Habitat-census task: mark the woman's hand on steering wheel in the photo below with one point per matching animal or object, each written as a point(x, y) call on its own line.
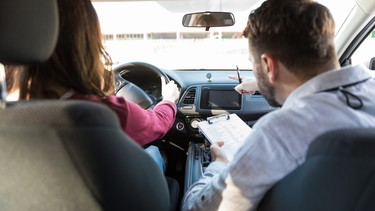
point(169, 90)
point(130, 91)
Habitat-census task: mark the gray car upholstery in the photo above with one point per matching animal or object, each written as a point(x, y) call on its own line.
point(28, 30)
point(73, 155)
point(339, 174)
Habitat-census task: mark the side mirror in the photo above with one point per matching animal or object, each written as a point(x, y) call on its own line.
point(208, 19)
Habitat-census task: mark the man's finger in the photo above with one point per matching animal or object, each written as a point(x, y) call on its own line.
point(233, 77)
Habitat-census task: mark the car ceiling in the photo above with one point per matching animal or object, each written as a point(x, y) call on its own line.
point(201, 5)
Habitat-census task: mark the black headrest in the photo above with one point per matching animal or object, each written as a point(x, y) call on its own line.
point(350, 142)
point(372, 64)
point(28, 30)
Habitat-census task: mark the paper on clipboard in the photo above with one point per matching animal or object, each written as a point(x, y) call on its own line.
point(228, 128)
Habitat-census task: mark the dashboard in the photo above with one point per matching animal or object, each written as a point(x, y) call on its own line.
point(206, 93)
point(203, 93)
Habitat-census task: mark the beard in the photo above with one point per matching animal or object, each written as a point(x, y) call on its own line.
point(266, 89)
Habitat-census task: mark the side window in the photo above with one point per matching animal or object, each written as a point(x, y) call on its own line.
point(365, 52)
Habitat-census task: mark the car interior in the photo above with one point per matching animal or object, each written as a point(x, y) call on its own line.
point(73, 155)
point(58, 155)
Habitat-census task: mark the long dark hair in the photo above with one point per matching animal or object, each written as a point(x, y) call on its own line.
point(79, 61)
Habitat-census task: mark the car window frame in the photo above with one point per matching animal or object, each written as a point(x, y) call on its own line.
point(345, 58)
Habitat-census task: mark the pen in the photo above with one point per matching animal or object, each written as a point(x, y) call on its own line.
point(238, 74)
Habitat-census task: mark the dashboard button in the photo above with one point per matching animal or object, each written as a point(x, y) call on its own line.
point(180, 126)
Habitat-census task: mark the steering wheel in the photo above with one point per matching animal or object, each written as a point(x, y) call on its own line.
point(131, 91)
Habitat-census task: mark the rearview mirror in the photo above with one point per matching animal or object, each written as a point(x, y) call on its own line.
point(208, 19)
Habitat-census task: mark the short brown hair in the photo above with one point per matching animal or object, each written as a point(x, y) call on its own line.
point(300, 33)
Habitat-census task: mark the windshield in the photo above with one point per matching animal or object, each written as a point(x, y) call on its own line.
point(152, 31)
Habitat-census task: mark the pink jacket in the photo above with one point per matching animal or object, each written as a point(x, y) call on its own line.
point(144, 126)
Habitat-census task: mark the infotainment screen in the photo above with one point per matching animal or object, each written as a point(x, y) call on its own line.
point(220, 99)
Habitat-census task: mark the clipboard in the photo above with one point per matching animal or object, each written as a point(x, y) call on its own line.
point(228, 128)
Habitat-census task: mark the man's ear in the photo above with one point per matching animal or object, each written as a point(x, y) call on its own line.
point(270, 66)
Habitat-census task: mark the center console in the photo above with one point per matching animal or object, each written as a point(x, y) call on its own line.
point(199, 157)
point(201, 101)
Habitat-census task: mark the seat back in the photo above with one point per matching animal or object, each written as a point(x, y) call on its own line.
point(339, 174)
point(73, 155)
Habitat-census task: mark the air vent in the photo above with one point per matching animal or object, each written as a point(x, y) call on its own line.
point(190, 97)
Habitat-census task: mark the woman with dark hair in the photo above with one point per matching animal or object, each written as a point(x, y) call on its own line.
point(79, 69)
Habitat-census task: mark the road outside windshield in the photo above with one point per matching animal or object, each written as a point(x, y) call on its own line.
point(152, 32)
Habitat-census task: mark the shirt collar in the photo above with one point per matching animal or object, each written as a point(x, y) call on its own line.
point(329, 80)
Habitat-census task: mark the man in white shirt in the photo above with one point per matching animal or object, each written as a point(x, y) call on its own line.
point(291, 46)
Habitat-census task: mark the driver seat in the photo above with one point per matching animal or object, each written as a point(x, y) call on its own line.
point(65, 155)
